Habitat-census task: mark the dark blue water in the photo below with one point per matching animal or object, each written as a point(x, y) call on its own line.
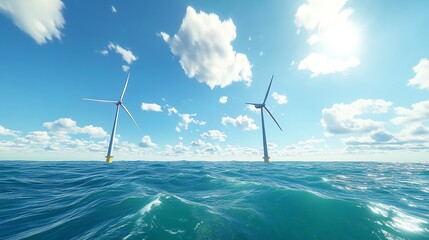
point(213, 200)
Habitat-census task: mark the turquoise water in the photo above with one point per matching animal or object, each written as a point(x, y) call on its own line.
point(213, 200)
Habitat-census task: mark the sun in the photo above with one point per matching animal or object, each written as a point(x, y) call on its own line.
point(342, 39)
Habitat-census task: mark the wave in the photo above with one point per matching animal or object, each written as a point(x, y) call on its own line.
point(212, 201)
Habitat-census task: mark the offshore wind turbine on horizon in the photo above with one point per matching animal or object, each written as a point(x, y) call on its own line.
point(262, 107)
point(119, 104)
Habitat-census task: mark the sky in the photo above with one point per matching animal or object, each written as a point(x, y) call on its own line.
point(351, 79)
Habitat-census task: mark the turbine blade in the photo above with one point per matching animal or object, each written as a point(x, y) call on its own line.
point(254, 104)
point(129, 114)
point(273, 118)
point(268, 90)
point(99, 100)
point(125, 87)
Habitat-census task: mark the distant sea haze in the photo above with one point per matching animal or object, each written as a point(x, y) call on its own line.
point(213, 200)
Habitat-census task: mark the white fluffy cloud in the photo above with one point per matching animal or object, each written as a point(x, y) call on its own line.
point(175, 150)
point(41, 19)
point(172, 110)
point(418, 112)
point(64, 126)
point(203, 45)
point(125, 68)
point(341, 118)
point(7, 132)
point(372, 138)
point(309, 146)
point(319, 63)
point(223, 99)
point(38, 136)
point(414, 137)
point(146, 142)
point(151, 107)
point(187, 119)
point(215, 135)
point(280, 99)
point(198, 143)
point(421, 80)
point(243, 122)
point(329, 27)
point(127, 55)
point(415, 130)
point(252, 108)
point(321, 14)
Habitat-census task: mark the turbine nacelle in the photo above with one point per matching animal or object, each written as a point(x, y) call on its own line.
point(257, 105)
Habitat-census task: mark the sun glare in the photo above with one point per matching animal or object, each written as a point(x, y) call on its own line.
point(342, 39)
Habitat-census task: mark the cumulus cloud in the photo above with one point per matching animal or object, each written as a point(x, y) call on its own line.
point(320, 14)
point(312, 145)
point(223, 99)
point(38, 136)
point(280, 99)
point(319, 63)
point(177, 149)
point(114, 9)
point(7, 132)
point(215, 135)
point(411, 138)
point(127, 55)
point(328, 25)
point(252, 108)
point(203, 45)
point(415, 130)
point(151, 107)
point(64, 126)
point(187, 119)
point(418, 112)
point(146, 142)
point(421, 80)
point(125, 68)
point(198, 143)
point(172, 110)
point(373, 138)
point(341, 118)
point(104, 52)
point(41, 19)
point(243, 122)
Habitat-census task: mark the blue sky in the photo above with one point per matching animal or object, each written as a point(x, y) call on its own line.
point(351, 79)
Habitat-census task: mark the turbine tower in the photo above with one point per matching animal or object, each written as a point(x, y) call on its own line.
point(262, 107)
point(119, 104)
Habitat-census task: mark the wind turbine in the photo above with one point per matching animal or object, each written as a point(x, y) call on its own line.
point(119, 103)
point(262, 107)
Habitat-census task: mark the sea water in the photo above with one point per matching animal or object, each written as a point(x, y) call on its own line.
point(213, 200)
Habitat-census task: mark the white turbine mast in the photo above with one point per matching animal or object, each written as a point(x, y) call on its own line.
point(262, 107)
point(119, 104)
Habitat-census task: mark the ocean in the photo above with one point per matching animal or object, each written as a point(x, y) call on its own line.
point(213, 200)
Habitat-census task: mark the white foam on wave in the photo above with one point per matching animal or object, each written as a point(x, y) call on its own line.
point(196, 226)
point(398, 220)
point(174, 232)
point(149, 206)
point(342, 177)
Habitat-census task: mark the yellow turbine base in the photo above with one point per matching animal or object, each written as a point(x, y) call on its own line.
point(109, 159)
point(266, 159)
